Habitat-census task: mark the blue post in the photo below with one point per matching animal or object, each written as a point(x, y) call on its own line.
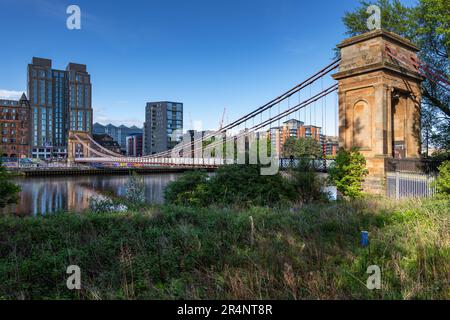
point(364, 239)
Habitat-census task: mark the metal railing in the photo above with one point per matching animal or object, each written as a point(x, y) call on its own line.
point(411, 178)
point(401, 185)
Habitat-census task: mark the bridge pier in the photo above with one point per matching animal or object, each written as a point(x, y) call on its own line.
point(379, 101)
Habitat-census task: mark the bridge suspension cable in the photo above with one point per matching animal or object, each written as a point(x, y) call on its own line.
point(260, 123)
point(308, 82)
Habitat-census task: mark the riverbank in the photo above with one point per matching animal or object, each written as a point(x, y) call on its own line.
point(180, 253)
point(68, 171)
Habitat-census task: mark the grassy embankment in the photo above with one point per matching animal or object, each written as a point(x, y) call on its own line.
point(175, 252)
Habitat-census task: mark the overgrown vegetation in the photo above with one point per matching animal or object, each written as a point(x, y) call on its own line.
point(443, 180)
point(182, 253)
point(9, 192)
point(308, 186)
point(231, 186)
point(348, 173)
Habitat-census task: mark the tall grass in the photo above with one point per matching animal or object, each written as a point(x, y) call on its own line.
point(174, 252)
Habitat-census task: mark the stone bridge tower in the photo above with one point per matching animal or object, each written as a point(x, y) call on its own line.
point(75, 149)
point(379, 101)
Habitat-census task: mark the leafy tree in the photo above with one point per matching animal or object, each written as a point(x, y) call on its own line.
point(307, 183)
point(302, 147)
point(443, 180)
point(9, 192)
point(428, 25)
point(348, 173)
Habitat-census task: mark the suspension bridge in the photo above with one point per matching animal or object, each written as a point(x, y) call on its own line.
point(369, 97)
point(307, 99)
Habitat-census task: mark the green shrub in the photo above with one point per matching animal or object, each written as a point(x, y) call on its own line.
point(9, 192)
point(307, 183)
point(443, 180)
point(348, 173)
point(190, 189)
point(232, 185)
point(245, 186)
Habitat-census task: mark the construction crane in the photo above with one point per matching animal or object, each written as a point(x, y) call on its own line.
point(223, 118)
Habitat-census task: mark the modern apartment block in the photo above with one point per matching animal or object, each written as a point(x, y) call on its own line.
point(332, 146)
point(14, 126)
point(135, 145)
point(297, 129)
point(118, 133)
point(61, 100)
point(163, 120)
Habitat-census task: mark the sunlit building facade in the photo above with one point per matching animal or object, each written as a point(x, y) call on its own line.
point(61, 100)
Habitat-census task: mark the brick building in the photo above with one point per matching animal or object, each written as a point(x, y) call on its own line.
point(14, 128)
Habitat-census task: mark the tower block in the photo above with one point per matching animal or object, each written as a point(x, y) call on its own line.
point(379, 101)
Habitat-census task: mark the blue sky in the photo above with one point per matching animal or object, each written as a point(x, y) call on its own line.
point(208, 54)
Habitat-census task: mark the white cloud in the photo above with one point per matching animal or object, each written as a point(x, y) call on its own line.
point(10, 95)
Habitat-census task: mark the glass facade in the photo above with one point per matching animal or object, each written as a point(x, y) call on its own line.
point(163, 119)
point(61, 101)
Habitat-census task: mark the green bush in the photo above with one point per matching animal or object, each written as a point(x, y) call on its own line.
point(9, 192)
point(188, 190)
point(245, 186)
point(348, 173)
point(232, 185)
point(443, 180)
point(307, 183)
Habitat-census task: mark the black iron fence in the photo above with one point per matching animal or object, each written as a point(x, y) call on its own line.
point(319, 165)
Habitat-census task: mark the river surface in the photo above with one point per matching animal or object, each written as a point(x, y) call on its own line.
point(44, 195)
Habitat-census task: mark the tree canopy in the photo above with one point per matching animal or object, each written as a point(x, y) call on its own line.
point(301, 148)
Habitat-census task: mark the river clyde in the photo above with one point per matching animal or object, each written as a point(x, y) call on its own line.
point(46, 195)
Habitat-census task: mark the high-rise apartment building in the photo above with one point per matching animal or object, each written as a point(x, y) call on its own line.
point(163, 126)
point(14, 128)
point(61, 100)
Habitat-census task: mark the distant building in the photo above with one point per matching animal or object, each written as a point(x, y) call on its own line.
point(107, 142)
point(60, 101)
point(14, 126)
point(332, 146)
point(162, 120)
point(135, 145)
point(296, 129)
point(118, 133)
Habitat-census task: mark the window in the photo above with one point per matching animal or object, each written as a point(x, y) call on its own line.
point(35, 91)
point(42, 91)
point(80, 96)
point(87, 97)
point(49, 97)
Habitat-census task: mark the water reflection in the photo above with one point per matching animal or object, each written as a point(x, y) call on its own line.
point(52, 194)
